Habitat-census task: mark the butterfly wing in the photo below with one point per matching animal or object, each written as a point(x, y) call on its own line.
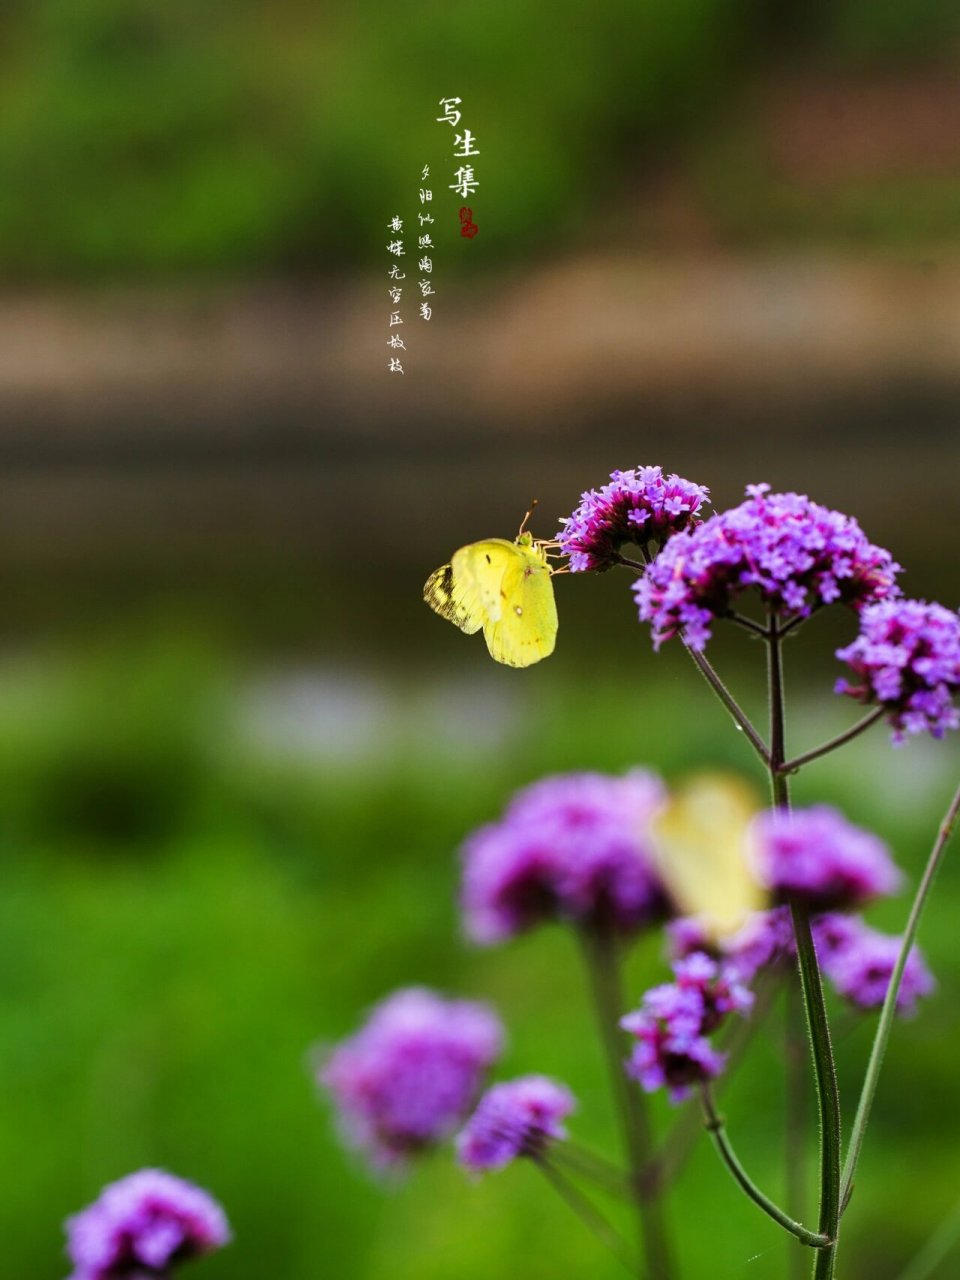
point(445, 596)
point(704, 856)
point(525, 627)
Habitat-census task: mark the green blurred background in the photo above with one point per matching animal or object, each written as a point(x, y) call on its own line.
point(237, 754)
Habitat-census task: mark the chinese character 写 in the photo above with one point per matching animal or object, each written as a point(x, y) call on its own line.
point(450, 114)
point(466, 184)
point(425, 242)
point(395, 274)
point(395, 366)
point(394, 319)
point(425, 195)
point(425, 288)
point(425, 311)
point(394, 294)
point(467, 139)
point(395, 223)
point(426, 172)
point(396, 341)
point(424, 217)
point(426, 264)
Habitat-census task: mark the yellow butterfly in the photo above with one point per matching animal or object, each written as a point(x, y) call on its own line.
point(504, 587)
point(703, 853)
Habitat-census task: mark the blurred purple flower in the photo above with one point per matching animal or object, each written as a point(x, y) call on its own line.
point(412, 1072)
point(144, 1225)
point(859, 961)
point(765, 939)
point(819, 858)
point(518, 1118)
point(906, 659)
point(795, 553)
point(639, 506)
point(575, 847)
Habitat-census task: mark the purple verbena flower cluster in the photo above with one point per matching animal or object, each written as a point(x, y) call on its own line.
point(144, 1225)
point(906, 659)
point(797, 554)
point(674, 1022)
point(641, 506)
point(817, 857)
point(410, 1075)
point(574, 847)
point(517, 1118)
point(859, 961)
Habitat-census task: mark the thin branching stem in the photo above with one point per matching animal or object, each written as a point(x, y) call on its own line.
point(791, 766)
point(885, 1024)
point(717, 1130)
point(589, 1215)
point(728, 700)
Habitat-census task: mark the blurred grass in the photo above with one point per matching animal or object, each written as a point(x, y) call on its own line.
point(146, 138)
point(186, 908)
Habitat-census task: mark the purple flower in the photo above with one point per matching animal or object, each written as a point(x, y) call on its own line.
point(575, 847)
point(859, 961)
point(816, 856)
point(765, 939)
point(640, 506)
point(518, 1118)
point(412, 1072)
point(674, 1021)
point(795, 553)
point(144, 1225)
point(906, 659)
point(671, 1051)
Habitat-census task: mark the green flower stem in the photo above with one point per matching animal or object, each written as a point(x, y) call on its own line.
point(588, 1164)
point(728, 700)
point(589, 1215)
point(791, 766)
point(715, 1126)
point(885, 1024)
point(601, 954)
point(665, 1166)
point(828, 1096)
point(797, 1111)
point(936, 1248)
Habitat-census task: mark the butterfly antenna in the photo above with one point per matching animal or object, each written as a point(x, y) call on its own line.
point(534, 503)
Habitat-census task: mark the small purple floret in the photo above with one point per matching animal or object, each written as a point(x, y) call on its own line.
point(574, 847)
point(859, 961)
point(674, 1022)
point(409, 1076)
point(144, 1225)
point(641, 506)
point(906, 659)
point(795, 553)
point(518, 1118)
point(819, 858)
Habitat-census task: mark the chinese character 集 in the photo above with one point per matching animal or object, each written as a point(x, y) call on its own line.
point(450, 114)
point(466, 184)
point(396, 247)
point(467, 139)
point(395, 294)
point(395, 223)
point(425, 242)
point(395, 273)
point(425, 311)
point(395, 318)
point(426, 264)
point(425, 288)
point(396, 341)
point(395, 366)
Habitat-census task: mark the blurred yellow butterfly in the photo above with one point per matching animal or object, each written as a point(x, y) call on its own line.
point(504, 587)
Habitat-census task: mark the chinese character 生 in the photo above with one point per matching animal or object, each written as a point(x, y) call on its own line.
point(467, 140)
